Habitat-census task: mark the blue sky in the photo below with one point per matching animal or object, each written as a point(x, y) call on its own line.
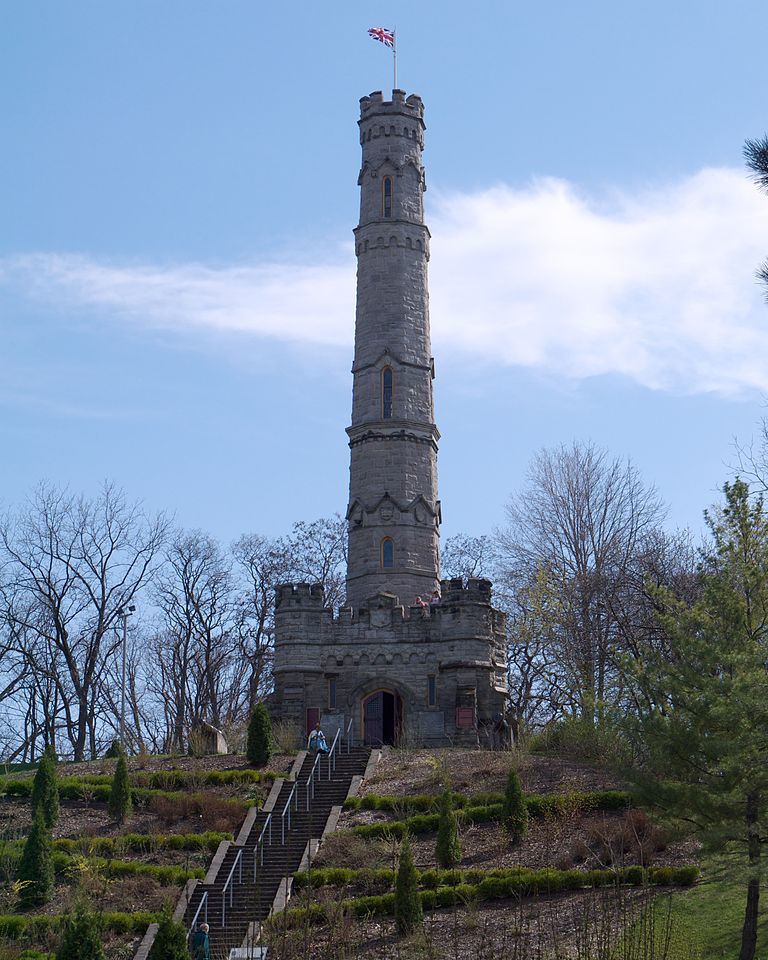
point(177, 193)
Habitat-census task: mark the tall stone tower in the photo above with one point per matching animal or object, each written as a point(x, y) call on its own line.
point(394, 513)
point(386, 665)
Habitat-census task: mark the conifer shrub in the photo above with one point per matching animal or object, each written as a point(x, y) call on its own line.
point(114, 750)
point(45, 791)
point(36, 865)
point(448, 845)
point(259, 745)
point(514, 817)
point(170, 940)
point(408, 912)
point(120, 802)
point(81, 936)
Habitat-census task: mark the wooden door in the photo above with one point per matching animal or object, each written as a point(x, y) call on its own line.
point(313, 718)
point(373, 720)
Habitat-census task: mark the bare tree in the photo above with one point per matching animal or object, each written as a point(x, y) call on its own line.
point(318, 554)
point(464, 556)
point(581, 522)
point(69, 564)
point(200, 675)
point(262, 563)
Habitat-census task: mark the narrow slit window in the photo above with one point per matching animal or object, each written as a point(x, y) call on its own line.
point(387, 553)
point(431, 691)
point(386, 393)
point(387, 196)
point(332, 693)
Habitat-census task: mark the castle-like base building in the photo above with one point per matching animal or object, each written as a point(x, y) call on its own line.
point(410, 658)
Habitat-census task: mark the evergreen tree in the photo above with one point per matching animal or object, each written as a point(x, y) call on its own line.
point(514, 817)
point(756, 156)
point(36, 865)
point(259, 747)
point(448, 846)
point(702, 722)
point(408, 912)
point(45, 789)
point(171, 940)
point(119, 804)
point(114, 750)
point(81, 937)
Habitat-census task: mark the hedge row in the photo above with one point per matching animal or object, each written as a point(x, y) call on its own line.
point(142, 843)
point(14, 926)
point(143, 784)
point(500, 885)
point(538, 804)
point(165, 876)
point(433, 879)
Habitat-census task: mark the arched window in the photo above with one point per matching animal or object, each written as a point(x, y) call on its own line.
point(386, 189)
point(387, 553)
point(386, 392)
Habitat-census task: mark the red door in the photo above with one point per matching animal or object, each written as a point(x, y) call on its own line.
point(313, 718)
point(373, 720)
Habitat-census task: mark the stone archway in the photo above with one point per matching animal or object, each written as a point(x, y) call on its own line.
point(382, 717)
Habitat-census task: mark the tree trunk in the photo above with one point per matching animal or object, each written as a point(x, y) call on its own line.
point(749, 930)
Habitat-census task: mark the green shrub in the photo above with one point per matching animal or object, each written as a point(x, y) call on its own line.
point(407, 903)
point(44, 792)
point(170, 941)
point(514, 816)
point(448, 845)
point(36, 865)
point(81, 936)
point(120, 803)
point(114, 751)
point(259, 744)
point(12, 927)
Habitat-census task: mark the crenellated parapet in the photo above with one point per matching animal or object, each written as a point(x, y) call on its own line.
point(299, 596)
point(475, 590)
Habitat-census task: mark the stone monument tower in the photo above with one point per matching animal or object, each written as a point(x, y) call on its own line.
point(394, 513)
point(394, 667)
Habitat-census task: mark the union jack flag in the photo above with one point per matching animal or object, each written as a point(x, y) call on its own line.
point(387, 37)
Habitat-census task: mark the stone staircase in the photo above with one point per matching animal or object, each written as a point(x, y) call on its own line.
point(250, 874)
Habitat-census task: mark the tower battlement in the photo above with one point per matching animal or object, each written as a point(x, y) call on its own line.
point(300, 595)
point(476, 590)
point(375, 104)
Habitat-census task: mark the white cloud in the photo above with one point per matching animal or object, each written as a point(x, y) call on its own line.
point(657, 286)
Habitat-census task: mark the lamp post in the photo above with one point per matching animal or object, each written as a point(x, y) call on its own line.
point(124, 613)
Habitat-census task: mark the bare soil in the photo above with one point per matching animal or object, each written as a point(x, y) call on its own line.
point(402, 772)
point(559, 926)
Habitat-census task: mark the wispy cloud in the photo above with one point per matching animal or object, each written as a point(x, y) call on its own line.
point(656, 286)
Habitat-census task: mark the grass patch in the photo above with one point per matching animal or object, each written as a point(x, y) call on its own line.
point(711, 915)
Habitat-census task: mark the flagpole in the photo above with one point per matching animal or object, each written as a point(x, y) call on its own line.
point(394, 55)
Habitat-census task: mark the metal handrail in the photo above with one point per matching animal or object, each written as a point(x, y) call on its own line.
point(203, 903)
point(230, 885)
point(348, 734)
point(311, 779)
point(258, 850)
point(332, 753)
point(287, 809)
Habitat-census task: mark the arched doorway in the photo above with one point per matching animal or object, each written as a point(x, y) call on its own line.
point(382, 718)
